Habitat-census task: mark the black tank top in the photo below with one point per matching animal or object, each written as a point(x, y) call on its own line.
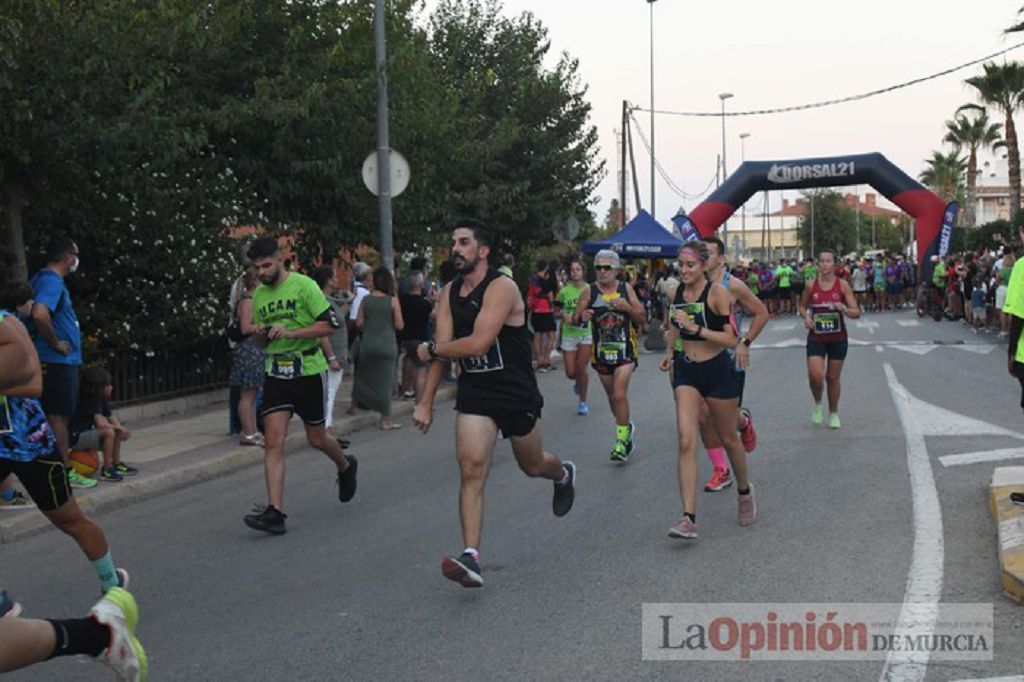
point(700, 311)
point(502, 380)
point(615, 337)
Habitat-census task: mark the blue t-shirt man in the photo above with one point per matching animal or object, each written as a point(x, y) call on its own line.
point(51, 291)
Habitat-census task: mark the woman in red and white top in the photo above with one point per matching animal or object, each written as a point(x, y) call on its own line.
point(826, 302)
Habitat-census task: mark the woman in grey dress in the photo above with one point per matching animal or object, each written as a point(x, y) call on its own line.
point(380, 316)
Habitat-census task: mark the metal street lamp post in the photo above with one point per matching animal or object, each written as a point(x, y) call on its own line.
point(724, 96)
point(383, 144)
point(743, 157)
point(651, 3)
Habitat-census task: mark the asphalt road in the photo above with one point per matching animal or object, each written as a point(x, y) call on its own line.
point(355, 592)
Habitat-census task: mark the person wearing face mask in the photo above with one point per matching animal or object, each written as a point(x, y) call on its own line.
point(58, 342)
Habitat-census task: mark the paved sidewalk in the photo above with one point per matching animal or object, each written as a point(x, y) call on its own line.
point(177, 451)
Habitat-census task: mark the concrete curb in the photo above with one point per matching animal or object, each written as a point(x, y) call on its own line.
point(16, 525)
point(1010, 523)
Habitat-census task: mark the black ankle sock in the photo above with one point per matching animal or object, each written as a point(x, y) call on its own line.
point(743, 492)
point(692, 517)
point(79, 636)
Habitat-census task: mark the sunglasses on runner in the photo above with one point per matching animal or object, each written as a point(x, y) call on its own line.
point(604, 267)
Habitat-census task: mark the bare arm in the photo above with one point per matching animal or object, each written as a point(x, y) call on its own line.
point(44, 325)
point(499, 300)
point(636, 309)
point(582, 306)
point(244, 313)
point(20, 374)
point(752, 304)
point(396, 314)
point(423, 414)
point(852, 308)
point(361, 315)
point(805, 300)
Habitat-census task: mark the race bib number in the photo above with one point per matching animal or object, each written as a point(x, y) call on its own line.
point(826, 323)
point(612, 352)
point(6, 425)
point(491, 362)
point(285, 366)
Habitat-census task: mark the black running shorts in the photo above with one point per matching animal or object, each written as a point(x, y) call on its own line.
point(45, 479)
point(511, 424)
point(714, 378)
point(304, 396)
point(542, 322)
point(833, 350)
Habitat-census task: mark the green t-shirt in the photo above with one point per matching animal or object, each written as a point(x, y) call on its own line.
point(810, 272)
point(295, 303)
point(1015, 301)
point(783, 273)
point(567, 299)
point(939, 274)
point(754, 283)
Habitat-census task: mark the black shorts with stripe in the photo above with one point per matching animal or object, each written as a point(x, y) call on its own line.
point(304, 396)
point(45, 479)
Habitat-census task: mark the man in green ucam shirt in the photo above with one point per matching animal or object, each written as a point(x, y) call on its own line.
point(783, 275)
point(291, 314)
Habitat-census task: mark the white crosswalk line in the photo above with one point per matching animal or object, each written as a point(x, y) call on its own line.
point(981, 456)
point(916, 350)
point(909, 323)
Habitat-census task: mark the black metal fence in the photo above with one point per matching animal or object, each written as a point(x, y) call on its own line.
point(150, 375)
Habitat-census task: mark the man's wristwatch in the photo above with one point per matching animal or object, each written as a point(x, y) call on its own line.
point(430, 348)
point(745, 341)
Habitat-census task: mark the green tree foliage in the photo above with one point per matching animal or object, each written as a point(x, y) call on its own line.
point(972, 131)
point(148, 130)
point(834, 223)
point(1002, 86)
point(944, 174)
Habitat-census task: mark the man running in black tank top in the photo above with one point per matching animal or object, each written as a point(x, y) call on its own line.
point(481, 322)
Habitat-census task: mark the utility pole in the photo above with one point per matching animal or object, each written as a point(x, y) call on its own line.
point(383, 144)
point(651, 3)
point(622, 179)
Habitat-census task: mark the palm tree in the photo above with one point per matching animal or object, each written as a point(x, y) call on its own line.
point(1019, 26)
point(1003, 86)
point(974, 133)
point(944, 174)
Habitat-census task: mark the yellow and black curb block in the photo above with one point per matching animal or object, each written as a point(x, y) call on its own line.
point(1009, 519)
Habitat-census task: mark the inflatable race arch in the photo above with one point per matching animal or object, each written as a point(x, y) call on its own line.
point(924, 206)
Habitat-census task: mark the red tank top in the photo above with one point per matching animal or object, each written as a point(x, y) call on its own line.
point(829, 324)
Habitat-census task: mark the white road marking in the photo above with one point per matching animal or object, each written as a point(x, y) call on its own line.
point(916, 350)
point(981, 456)
point(870, 325)
point(1009, 678)
point(788, 343)
point(909, 323)
point(924, 579)
point(879, 349)
point(978, 348)
point(785, 326)
point(858, 342)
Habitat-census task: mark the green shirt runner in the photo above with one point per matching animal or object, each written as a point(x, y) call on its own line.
point(783, 273)
point(1015, 301)
point(295, 303)
point(567, 299)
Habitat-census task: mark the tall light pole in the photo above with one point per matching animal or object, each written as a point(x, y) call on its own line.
point(743, 157)
point(724, 96)
point(651, 3)
point(383, 144)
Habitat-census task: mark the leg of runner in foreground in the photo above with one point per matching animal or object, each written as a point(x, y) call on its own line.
point(291, 314)
point(703, 371)
point(106, 635)
point(28, 448)
point(481, 321)
point(613, 311)
point(825, 304)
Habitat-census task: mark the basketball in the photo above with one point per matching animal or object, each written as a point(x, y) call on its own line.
point(85, 462)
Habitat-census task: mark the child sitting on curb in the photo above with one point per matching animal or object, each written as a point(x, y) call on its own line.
point(94, 427)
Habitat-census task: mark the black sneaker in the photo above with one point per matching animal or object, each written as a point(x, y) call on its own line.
point(347, 480)
point(110, 474)
point(125, 469)
point(465, 570)
point(268, 519)
point(1017, 498)
point(565, 493)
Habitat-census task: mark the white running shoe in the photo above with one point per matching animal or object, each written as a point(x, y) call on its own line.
point(125, 655)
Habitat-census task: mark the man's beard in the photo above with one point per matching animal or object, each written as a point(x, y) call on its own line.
point(271, 278)
point(467, 265)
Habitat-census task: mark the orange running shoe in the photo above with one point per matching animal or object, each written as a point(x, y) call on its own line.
point(748, 434)
point(720, 480)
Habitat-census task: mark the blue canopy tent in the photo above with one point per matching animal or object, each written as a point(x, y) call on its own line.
point(643, 237)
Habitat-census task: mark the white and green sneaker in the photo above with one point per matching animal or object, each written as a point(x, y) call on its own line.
point(833, 421)
point(78, 481)
point(816, 415)
point(125, 655)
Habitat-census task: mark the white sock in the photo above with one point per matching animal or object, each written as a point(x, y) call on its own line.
point(473, 552)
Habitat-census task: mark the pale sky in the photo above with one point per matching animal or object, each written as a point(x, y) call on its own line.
point(772, 54)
